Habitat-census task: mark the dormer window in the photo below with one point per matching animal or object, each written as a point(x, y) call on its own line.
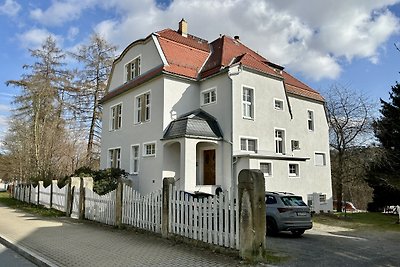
point(132, 69)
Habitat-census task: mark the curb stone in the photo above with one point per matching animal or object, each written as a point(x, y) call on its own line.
point(27, 254)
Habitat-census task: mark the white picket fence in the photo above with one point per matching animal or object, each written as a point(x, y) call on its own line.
point(142, 211)
point(213, 220)
point(60, 198)
point(100, 208)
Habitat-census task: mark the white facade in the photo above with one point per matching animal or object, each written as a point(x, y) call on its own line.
point(271, 108)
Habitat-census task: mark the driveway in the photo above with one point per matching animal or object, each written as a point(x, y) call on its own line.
point(335, 246)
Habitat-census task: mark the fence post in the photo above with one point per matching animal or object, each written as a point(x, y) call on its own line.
point(252, 221)
point(118, 204)
point(81, 200)
point(51, 192)
point(69, 196)
point(40, 184)
point(165, 206)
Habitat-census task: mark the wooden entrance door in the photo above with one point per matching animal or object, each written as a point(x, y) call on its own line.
point(209, 167)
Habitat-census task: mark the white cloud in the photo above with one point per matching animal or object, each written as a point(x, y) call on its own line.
point(35, 37)
point(72, 33)
point(308, 36)
point(60, 12)
point(10, 8)
point(4, 108)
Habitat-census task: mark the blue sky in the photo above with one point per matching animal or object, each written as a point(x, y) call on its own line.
point(320, 42)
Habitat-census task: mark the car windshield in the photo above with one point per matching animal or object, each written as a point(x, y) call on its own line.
point(293, 201)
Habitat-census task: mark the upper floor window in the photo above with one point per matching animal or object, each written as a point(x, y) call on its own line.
point(114, 158)
point(209, 97)
point(278, 104)
point(266, 168)
point(248, 103)
point(320, 159)
point(142, 108)
point(247, 144)
point(132, 69)
point(116, 117)
point(135, 159)
point(310, 120)
point(279, 141)
point(149, 149)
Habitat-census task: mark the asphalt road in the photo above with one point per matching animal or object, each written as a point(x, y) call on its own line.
point(329, 246)
point(9, 258)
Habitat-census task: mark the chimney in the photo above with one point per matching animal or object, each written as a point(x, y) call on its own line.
point(183, 28)
point(237, 38)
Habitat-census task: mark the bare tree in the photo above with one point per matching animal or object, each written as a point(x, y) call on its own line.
point(38, 130)
point(97, 58)
point(350, 119)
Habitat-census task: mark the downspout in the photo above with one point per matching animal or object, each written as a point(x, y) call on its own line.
point(233, 162)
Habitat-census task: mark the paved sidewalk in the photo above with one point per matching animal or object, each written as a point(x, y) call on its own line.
point(65, 242)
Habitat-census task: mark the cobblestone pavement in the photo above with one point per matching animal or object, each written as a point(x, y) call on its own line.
point(72, 243)
point(334, 246)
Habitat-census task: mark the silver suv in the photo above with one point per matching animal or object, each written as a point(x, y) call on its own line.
point(286, 212)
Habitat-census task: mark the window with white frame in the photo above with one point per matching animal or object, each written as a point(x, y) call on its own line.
point(135, 159)
point(247, 144)
point(248, 103)
point(114, 158)
point(310, 120)
point(116, 117)
point(320, 159)
point(266, 168)
point(142, 108)
point(279, 141)
point(149, 149)
point(294, 170)
point(278, 104)
point(132, 69)
point(209, 96)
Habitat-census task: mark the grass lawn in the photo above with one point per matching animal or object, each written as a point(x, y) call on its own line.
point(6, 200)
point(360, 221)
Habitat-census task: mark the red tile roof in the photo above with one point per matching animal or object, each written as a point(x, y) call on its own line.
point(195, 58)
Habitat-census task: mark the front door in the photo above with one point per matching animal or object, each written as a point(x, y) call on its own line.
point(209, 167)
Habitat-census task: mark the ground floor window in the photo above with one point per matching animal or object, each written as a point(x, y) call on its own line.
point(266, 168)
point(114, 158)
point(135, 159)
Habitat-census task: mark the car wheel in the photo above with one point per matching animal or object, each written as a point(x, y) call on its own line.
point(272, 229)
point(298, 233)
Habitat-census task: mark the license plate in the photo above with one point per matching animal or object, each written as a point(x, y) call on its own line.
point(301, 213)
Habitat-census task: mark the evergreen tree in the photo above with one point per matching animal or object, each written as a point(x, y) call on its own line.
point(383, 176)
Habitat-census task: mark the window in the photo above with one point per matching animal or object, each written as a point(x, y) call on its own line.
point(132, 69)
point(310, 120)
point(248, 103)
point(278, 104)
point(320, 159)
point(135, 159)
point(266, 168)
point(295, 145)
point(116, 117)
point(149, 150)
point(280, 141)
point(114, 158)
point(142, 108)
point(248, 144)
point(322, 198)
point(209, 97)
point(294, 170)
point(270, 199)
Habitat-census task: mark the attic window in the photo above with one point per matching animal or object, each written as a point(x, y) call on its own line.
point(132, 69)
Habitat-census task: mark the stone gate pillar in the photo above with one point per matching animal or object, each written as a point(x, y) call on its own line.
point(252, 221)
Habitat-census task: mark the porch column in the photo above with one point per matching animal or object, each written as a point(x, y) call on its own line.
point(188, 166)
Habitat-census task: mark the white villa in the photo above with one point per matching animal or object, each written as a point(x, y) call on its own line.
point(180, 106)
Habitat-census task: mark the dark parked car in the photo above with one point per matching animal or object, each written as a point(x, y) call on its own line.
point(286, 212)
